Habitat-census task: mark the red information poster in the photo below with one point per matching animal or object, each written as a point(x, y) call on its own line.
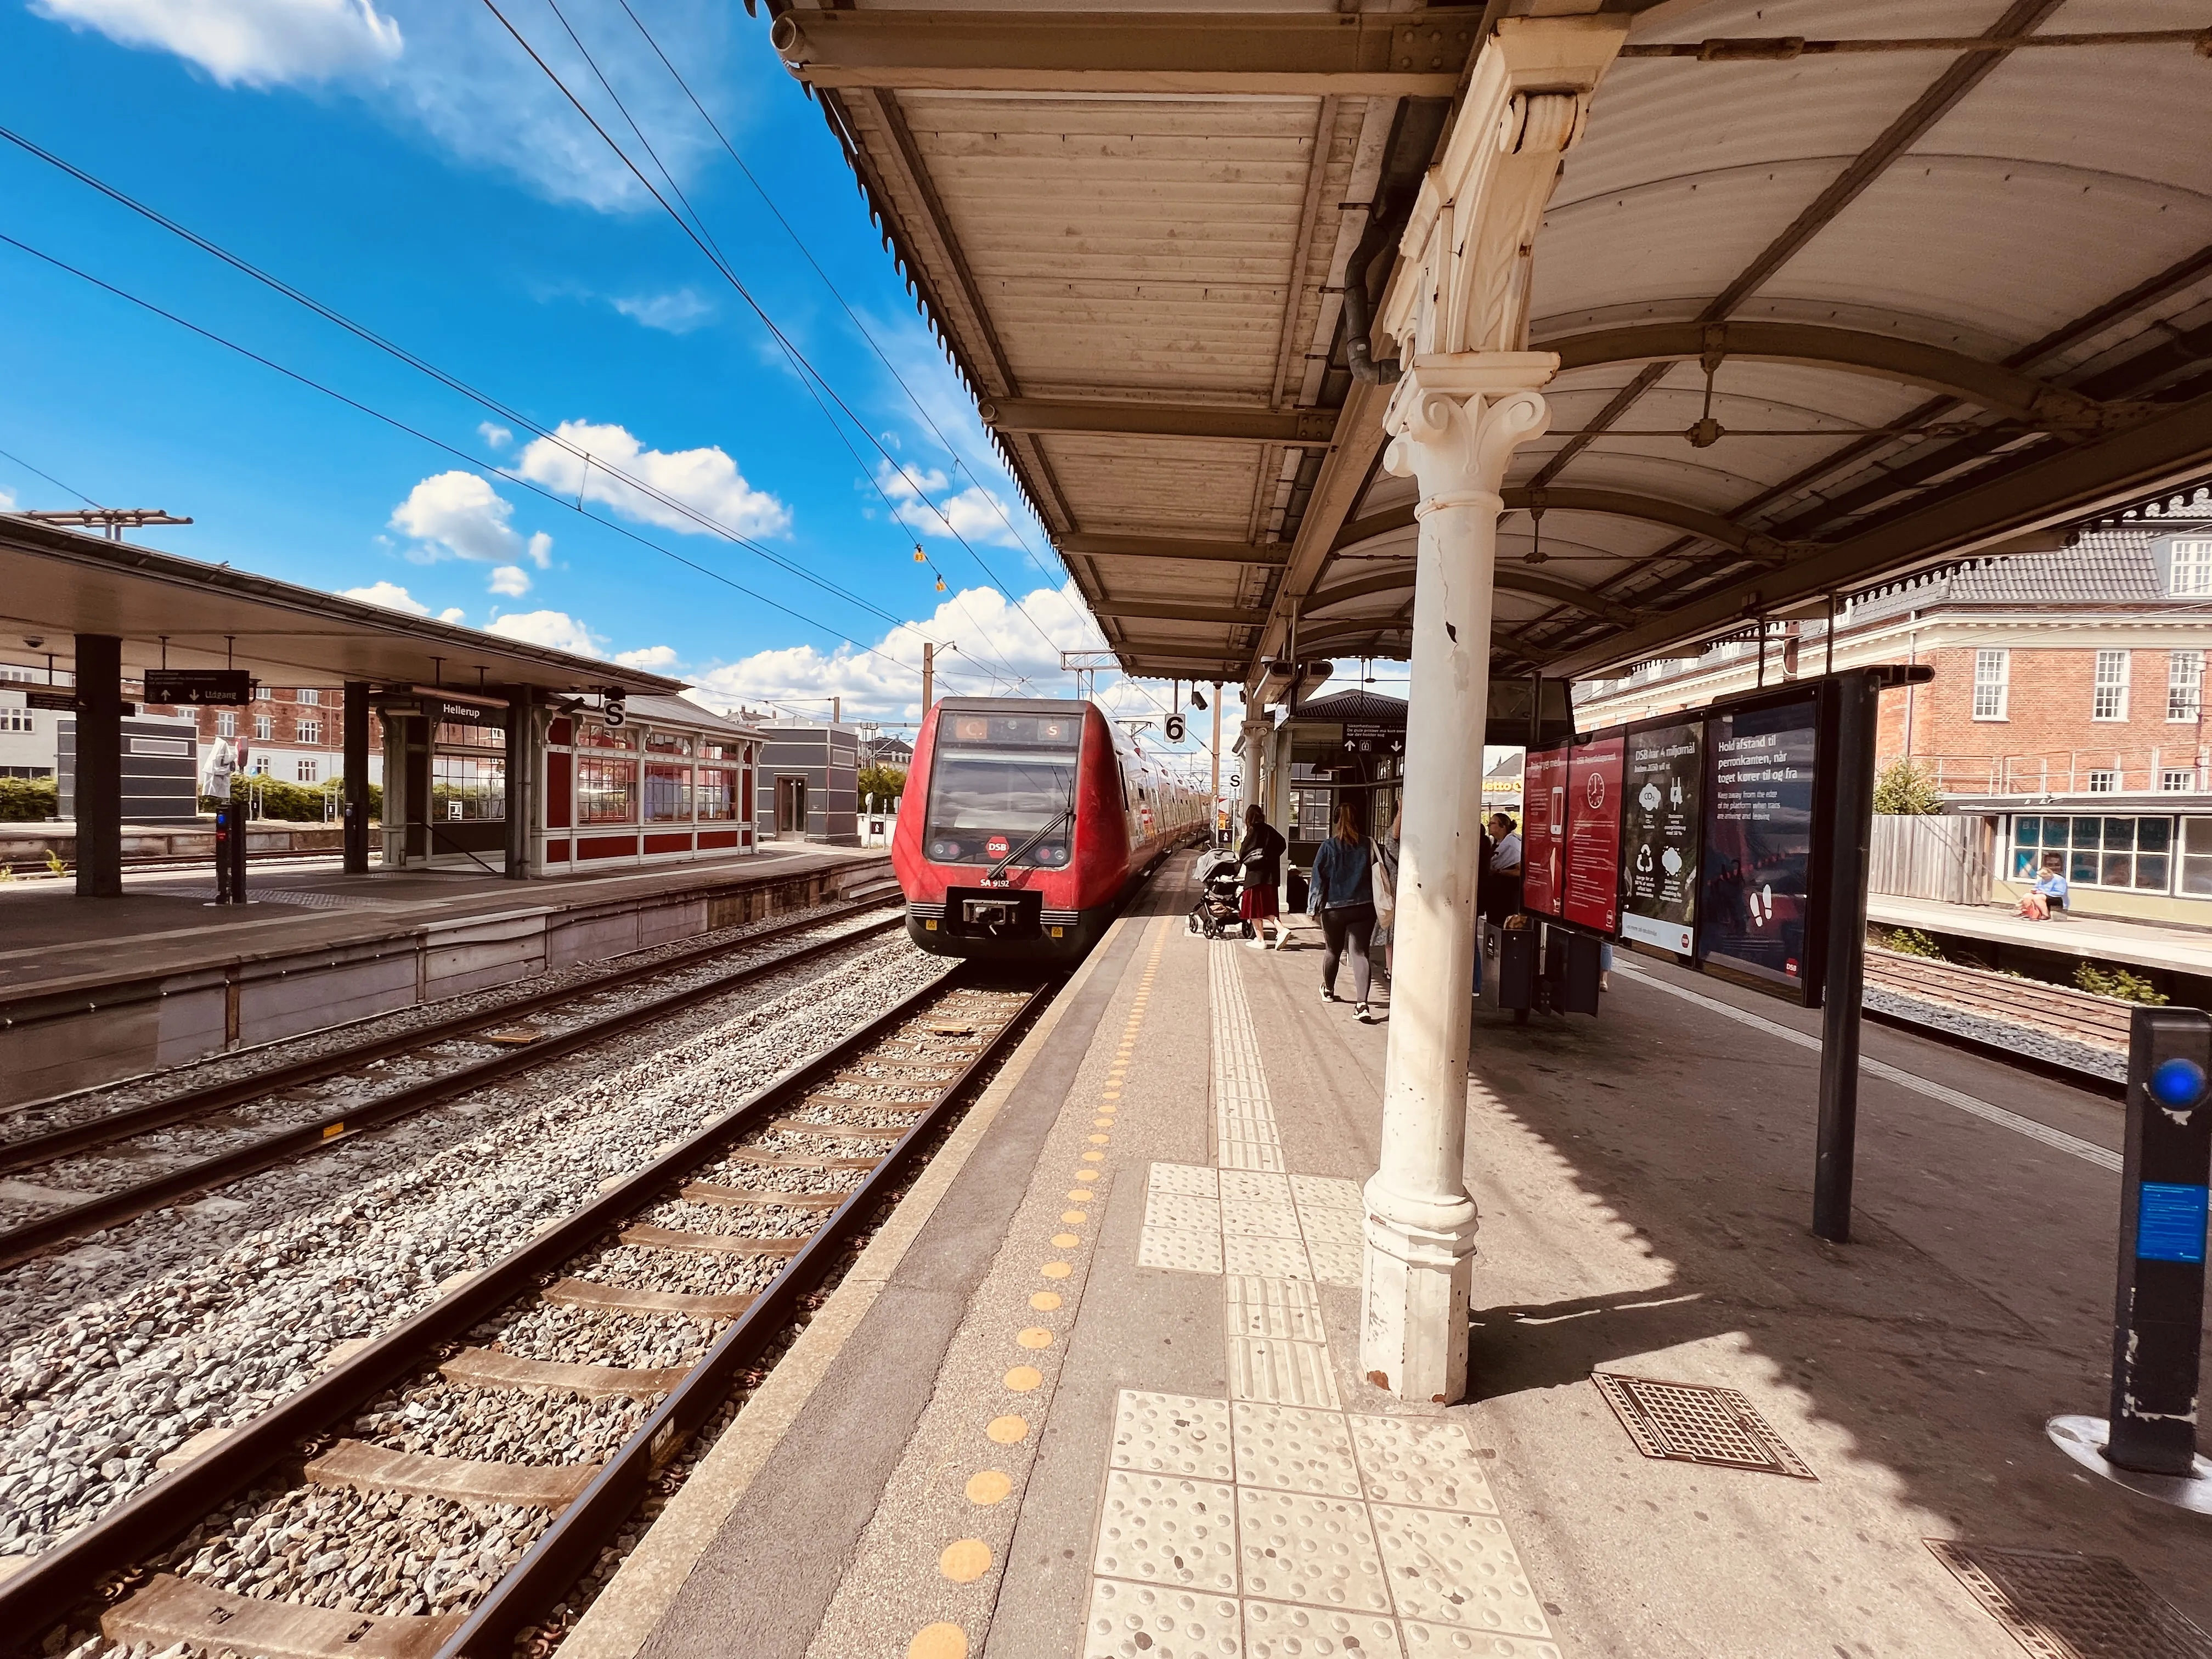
point(1543, 815)
point(1591, 867)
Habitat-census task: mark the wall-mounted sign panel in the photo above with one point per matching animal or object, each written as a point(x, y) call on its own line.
point(1754, 903)
point(1663, 783)
point(192, 687)
point(1590, 865)
point(1543, 824)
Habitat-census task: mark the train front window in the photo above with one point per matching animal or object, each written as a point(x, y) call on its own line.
point(997, 779)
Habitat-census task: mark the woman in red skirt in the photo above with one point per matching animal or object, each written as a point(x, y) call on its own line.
point(1262, 859)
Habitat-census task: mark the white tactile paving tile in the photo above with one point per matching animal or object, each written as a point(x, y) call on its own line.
point(1327, 1193)
point(1276, 1630)
point(1281, 1373)
point(1250, 1155)
point(1270, 1258)
point(1259, 1217)
point(1147, 1621)
point(1345, 1226)
point(1293, 1546)
point(1172, 1209)
point(1285, 1309)
point(1180, 1250)
point(1457, 1570)
point(1247, 1188)
point(1335, 1262)
point(1426, 1461)
point(1290, 1448)
point(1176, 1434)
point(1184, 1178)
point(1163, 1529)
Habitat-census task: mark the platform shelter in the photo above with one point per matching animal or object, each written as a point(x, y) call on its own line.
point(469, 717)
point(1529, 339)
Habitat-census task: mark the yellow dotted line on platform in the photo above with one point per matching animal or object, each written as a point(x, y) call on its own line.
point(965, 1560)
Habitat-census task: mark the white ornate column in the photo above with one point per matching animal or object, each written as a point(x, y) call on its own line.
point(1458, 307)
point(1455, 423)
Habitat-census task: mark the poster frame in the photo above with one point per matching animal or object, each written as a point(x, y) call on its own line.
point(1691, 717)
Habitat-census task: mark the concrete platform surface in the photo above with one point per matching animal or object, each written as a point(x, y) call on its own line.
point(1100, 1394)
point(2109, 938)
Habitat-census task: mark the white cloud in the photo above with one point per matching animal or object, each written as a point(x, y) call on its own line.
point(653, 658)
point(463, 515)
point(510, 579)
point(255, 43)
point(676, 313)
point(390, 595)
point(454, 615)
point(706, 480)
point(7, 501)
point(555, 629)
point(920, 502)
point(495, 435)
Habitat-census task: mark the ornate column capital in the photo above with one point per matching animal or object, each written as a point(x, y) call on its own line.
point(1455, 420)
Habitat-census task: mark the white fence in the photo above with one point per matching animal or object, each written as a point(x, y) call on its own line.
point(1932, 858)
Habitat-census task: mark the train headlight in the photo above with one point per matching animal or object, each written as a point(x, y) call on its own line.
point(944, 849)
point(1053, 856)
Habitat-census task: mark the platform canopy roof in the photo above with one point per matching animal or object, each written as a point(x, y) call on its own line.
point(1937, 287)
point(57, 583)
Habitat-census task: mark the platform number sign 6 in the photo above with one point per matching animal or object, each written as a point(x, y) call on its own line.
point(1177, 729)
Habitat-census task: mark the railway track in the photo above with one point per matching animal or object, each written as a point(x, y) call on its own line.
point(2079, 1016)
point(316, 1104)
point(440, 1490)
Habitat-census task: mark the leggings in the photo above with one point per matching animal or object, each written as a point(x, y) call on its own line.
point(1343, 925)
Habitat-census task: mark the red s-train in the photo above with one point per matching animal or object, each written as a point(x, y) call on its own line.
point(1024, 823)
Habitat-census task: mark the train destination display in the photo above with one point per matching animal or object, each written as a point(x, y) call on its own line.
point(1754, 899)
point(1543, 828)
point(1664, 786)
point(1590, 863)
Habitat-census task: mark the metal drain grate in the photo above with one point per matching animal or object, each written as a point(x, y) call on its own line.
point(1698, 1423)
point(2061, 1606)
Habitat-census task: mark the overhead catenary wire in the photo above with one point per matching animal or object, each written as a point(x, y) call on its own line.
point(463, 456)
point(50, 478)
point(745, 293)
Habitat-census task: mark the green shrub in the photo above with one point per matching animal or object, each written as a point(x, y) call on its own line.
point(302, 803)
point(2119, 984)
point(1912, 942)
point(1905, 791)
point(885, 783)
point(29, 800)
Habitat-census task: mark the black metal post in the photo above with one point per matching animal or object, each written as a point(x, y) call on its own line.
point(356, 778)
point(225, 823)
point(1857, 698)
point(241, 817)
point(2158, 1314)
point(519, 793)
point(99, 793)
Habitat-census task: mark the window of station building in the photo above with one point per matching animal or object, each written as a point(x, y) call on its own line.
point(2184, 684)
point(311, 731)
point(2197, 857)
point(716, 792)
point(2104, 783)
point(265, 728)
point(606, 790)
point(591, 734)
point(452, 734)
point(667, 792)
point(307, 694)
point(2191, 575)
point(715, 749)
point(1992, 682)
point(261, 765)
point(467, 788)
point(2133, 853)
point(225, 724)
point(2177, 779)
point(658, 741)
point(2109, 699)
point(16, 719)
point(309, 770)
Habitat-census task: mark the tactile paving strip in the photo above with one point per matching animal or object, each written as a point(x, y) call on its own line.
point(1698, 1423)
point(1172, 1434)
point(1144, 1621)
point(1165, 1530)
point(2061, 1606)
point(1294, 1546)
point(1284, 1309)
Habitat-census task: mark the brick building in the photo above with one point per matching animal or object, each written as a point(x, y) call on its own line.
point(2067, 711)
point(294, 735)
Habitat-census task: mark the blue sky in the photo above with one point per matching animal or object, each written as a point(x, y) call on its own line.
point(404, 162)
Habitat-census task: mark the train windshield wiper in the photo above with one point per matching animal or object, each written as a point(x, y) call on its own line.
point(998, 871)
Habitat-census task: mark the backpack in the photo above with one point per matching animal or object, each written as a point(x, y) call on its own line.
point(1384, 868)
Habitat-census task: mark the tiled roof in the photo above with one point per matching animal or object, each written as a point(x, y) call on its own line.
point(1356, 705)
point(2104, 567)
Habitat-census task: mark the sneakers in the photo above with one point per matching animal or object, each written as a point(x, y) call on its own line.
point(1363, 1014)
point(1256, 943)
point(1328, 995)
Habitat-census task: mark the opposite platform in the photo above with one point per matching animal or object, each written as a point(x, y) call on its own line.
point(1095, 1391)
point(92, 990)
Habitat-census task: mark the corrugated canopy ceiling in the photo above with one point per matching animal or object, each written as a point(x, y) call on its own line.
point(1932, 298)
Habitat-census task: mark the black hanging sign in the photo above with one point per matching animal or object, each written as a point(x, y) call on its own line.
point(219, 687)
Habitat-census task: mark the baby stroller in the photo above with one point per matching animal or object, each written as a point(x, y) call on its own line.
point(1220, 879)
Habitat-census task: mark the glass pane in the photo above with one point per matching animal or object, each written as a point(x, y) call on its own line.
point(2085, 868)
point(2085, 831)
point(2025, 831)
point(2120, 833)
point(2153, 834)
point(2150, 871)
point(2120, 869)
point(2196, 877)
point(667, 794)
point(2023, 861)
point(2197, 835)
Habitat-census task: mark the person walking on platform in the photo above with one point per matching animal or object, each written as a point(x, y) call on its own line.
point(1261, 859)
point(1343, 897)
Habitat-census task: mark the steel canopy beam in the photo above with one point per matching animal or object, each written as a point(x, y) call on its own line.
point(1171, 612)
point(1173, 547)
point(1311, 428)
point(1611, 503)
point(1417, 54)
point(2073, 484)
point(1991, 385)
point(1513, 578)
